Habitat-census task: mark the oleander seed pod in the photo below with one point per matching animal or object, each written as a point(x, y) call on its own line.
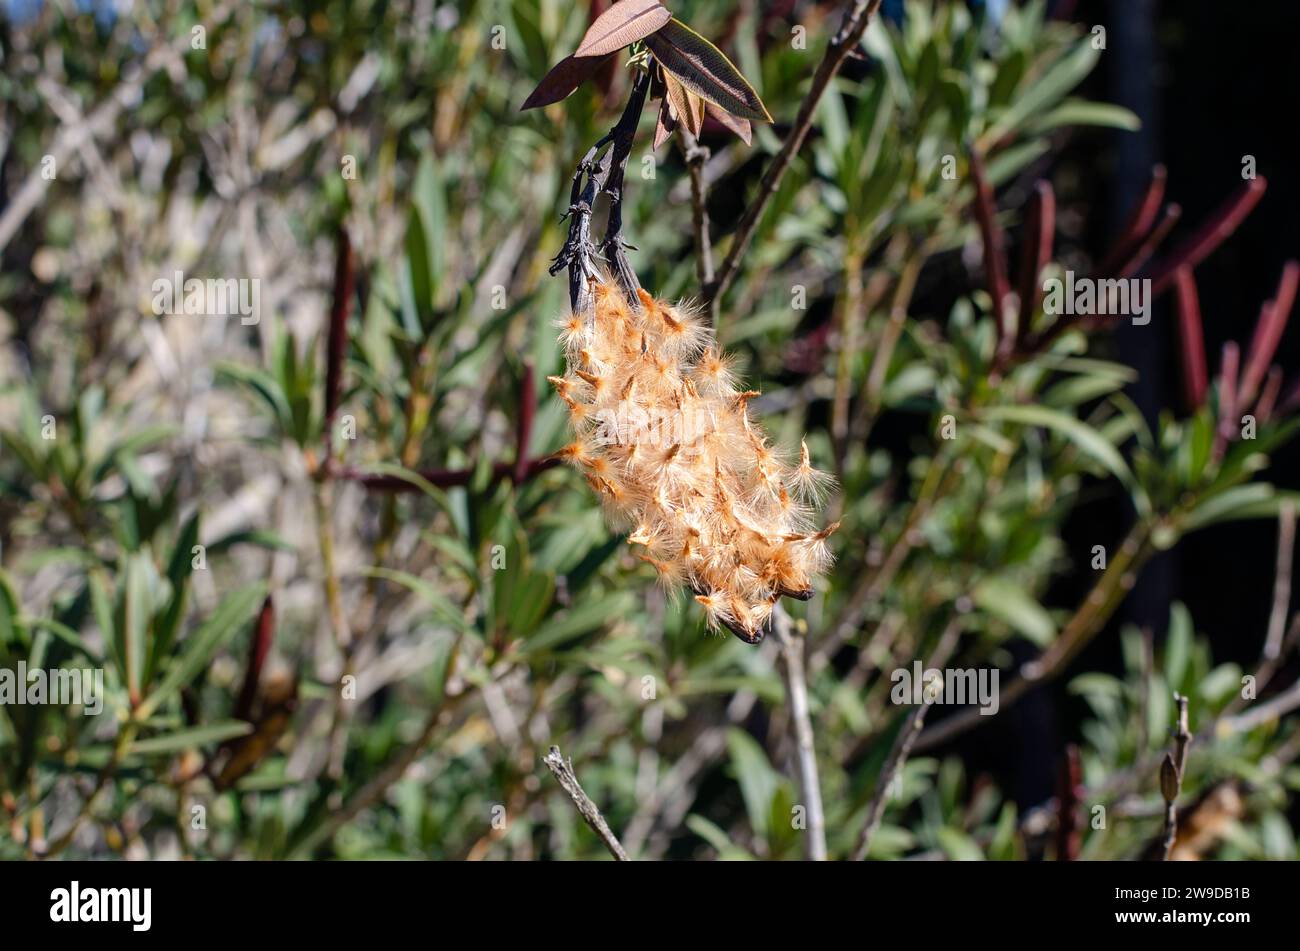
point(665, 438)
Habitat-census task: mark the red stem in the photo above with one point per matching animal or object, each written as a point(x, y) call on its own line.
point(1191, 338)
point(1210, 235)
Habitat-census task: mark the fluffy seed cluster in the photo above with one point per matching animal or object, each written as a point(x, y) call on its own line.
point(666, 440)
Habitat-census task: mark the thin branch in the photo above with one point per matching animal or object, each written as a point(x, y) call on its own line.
point(1171, 775)
point(594, 176)
point(1280, 705)
point(444, 478)
point(1281, 581)
point(856, 18)
point(373, 791)
point(696, 155)
point(796, 692)
point(1097, 606)
point(563, 770)
point(903, 743)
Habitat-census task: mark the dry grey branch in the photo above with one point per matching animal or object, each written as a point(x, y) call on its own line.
point(563, 770)
point(796, 691)
point(1171, 775)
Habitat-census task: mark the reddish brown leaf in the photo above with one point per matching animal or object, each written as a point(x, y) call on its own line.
point(565, 76)
point(666, 124)
point(704, 70)
point(736, 124)
point(682, 109)
point(622, 25)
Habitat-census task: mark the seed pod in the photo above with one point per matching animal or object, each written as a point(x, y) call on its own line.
point(666, 439)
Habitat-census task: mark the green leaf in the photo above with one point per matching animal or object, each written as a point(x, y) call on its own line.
point(705, 71)
point(65, 634)
point(1010, 602)
point(137, 612)
point(179, 568)
point(578, 620)
point(426, 235)
point(1178, 644)
point(1043, 91)
point(1090, 442)
point(441, 604)
point(264, 385)
point(757, 779)
point(1258, 500)
point(192, 738)
point(197, 650)
point(258, 537)
point(1080, 112)
point(710, 833)
point(958, 845)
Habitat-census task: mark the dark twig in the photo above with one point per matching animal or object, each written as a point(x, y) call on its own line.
point(856, 18)
point(596, 174)
point(1139, 225)
point(1191, 339)
point(903, 743)
point(1227, 427)
point(563, 770)
point(1210, 235)
point(524, 424)
point(1068, 837)
point(1039, 233)
point(446, 478)
point(995, 263)
point(260, 646)
point(1273, 317)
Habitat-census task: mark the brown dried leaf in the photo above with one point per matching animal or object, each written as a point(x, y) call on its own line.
point(736, 124)
point(696, 107)
point(678, 98)
point(565, 76)
point(622, 25)
point(666, 124)
point(703, 69)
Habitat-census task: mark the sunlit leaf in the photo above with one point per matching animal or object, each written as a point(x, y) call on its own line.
point(622, 25)
point(565, 76)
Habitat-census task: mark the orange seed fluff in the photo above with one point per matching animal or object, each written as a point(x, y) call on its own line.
point(666, 440)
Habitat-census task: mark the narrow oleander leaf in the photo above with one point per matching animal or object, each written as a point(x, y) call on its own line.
point(621, 25)
point(703, 69)
point(736, 124)
point(565, 76)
